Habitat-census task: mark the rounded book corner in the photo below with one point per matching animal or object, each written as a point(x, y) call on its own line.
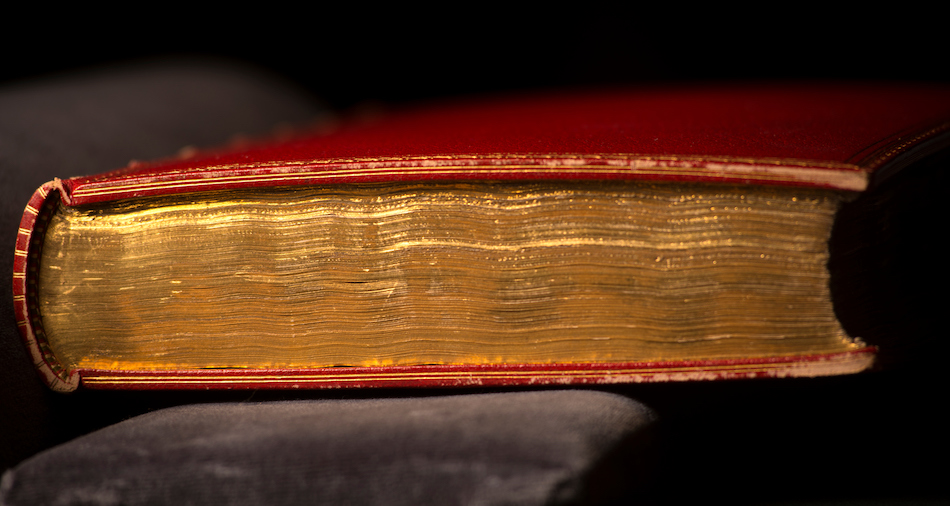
point(59, 380)
point(25, 298)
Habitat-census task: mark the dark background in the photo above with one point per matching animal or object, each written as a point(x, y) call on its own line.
point(349, 56)
point(873, 436)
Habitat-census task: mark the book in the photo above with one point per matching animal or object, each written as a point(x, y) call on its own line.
point(613, 236)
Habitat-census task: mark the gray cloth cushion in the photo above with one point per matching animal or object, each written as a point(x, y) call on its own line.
point(547, 447)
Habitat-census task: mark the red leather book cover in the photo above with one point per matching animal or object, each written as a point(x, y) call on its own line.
point(837, 136)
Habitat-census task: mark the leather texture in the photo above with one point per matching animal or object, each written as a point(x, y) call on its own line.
point(829, 136)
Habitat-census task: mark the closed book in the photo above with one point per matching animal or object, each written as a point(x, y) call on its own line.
point(616, 236)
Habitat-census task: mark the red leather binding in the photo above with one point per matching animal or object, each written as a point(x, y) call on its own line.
point(483, 375)
point(819, 135)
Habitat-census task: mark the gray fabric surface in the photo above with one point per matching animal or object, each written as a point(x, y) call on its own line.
point(506, 448)
point(88, 123)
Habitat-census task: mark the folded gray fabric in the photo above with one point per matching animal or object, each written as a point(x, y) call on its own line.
point(549, 447)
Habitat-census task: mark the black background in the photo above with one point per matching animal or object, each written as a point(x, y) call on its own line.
point(354, 55)
point(878, 435)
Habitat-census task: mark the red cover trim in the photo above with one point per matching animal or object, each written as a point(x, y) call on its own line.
point(830, 136)
point(482, 375)
point(471, 167)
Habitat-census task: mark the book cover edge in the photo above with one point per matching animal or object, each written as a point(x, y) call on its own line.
point(154, 180)
point(483, 375)
point(25, 305)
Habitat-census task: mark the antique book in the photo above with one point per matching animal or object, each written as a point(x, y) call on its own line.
point(618, 236)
